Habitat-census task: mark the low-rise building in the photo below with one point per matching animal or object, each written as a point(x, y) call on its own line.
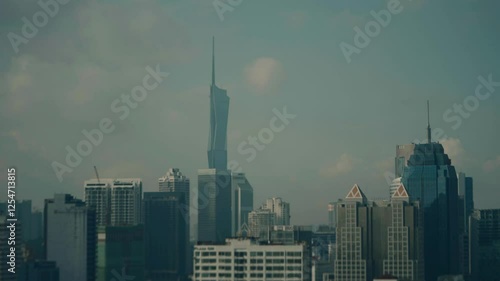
point(247, 259)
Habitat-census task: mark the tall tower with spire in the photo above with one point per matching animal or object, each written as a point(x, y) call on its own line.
point(219, 111)
point(430, 178)
point(214, 183)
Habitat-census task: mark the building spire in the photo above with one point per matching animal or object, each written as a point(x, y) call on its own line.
point(428, 124)
point(213, 60)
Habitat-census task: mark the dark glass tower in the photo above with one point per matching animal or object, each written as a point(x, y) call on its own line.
point(219, 110)
point(242, 201)
point(124, 252)
point(165, 235)
point(214, 205)
point(431, 179)
point(70, 234)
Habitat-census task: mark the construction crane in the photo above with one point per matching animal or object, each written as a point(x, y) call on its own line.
point(97, 175)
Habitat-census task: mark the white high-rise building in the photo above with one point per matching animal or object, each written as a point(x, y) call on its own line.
point(98, 196)
point(280, 208)
point(117, 202)
point(175, 181)
point(241, 203)
point(332, 215)
point(246, 259)
point(260, 222)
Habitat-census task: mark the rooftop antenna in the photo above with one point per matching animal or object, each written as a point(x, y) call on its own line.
point(428, 124)
point(213, 60)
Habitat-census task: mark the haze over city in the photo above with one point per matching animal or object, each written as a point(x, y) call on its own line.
point(349, 113)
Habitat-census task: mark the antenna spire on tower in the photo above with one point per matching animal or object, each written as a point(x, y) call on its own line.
point(428, 124)
point(213, 60)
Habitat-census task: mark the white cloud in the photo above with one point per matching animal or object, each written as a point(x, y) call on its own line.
point(344, 165)
point(264, 73)
point(492, 164)
point(386, 165)
point(453, 147)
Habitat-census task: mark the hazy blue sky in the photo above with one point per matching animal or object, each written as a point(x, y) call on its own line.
point(270, 54)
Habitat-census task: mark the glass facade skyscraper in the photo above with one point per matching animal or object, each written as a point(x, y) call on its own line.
point(466, 195)
point(403, 153)
point(175, 181)
point(71, 237)
point(214, 205)
point(165, 236)
point(120, 251)
point(219, 110)
point(214, 183)
point(486, 253)
point(430, 178)
point(242, 201)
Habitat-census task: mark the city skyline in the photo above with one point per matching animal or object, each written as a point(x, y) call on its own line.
point(312, 141)
point(336, 157)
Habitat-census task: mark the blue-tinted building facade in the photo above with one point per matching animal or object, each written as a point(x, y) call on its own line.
point(431, 179)
point(219, 111)
point(214, 205)
point(165, 236)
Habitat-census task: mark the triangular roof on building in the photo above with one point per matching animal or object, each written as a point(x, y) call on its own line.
point(400, 193)
point(356, 193)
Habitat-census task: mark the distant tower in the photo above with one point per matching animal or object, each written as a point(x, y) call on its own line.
point(117, 202)
point(98, 196)
point(403, 153)
point(214, 184)
point(466, 195)
point(219, 110)
point(165, 235)
point(332, 215)
point(175, 181)
point(428, 124)
point(71, 237)
point(260, 223)
point(280, 208)
point(377, 238)
point(214, 205)
point(241, 202)
point(431, 178)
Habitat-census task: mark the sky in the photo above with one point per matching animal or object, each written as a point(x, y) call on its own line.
point(356, 88)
